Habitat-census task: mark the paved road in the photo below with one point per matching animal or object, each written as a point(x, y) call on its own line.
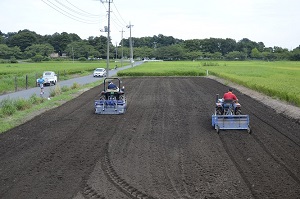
point(26, 94)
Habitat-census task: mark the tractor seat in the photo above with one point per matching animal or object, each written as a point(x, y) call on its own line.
point(227, 103)
point(112, 90)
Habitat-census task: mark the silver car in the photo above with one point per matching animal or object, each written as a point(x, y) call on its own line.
point(99, 72)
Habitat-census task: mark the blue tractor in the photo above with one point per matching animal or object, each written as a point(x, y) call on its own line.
point(228, 115)
point(112, 99)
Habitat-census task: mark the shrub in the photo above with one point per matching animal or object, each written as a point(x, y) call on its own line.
point(22, 104)
point(81, 59)
point(37, 58)
point(8, 107)
point(56, 91)
point(34, 99)
point(75, 85)
point(65, 88)
point(13, 60)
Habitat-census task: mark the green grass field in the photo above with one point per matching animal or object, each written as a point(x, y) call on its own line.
point(164, 69)
point(276, 79)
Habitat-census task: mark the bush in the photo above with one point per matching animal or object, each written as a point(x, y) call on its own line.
point(13, 60)
point(56, 91)
point(37, 58)
point(34, 99)
point(81, 59)
point(8, 107)
point(65, 89)
point(75, 85)
point(22, 104)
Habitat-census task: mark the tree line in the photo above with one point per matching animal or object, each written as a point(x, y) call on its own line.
point(27, 44)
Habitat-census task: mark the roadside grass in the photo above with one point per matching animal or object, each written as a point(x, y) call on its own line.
point(14, 112)
point(13, 76)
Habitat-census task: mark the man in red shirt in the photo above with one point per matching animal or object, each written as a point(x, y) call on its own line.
point(230, 96)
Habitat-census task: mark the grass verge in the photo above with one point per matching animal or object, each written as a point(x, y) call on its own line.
point(16, 112)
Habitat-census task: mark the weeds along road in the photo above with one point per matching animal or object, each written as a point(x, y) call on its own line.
point(163, 147)
point(26, 94)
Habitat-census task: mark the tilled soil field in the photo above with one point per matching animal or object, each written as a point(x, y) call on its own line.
point(164, 147)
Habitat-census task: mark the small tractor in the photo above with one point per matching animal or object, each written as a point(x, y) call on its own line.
point(112, 100)
point(228, 115)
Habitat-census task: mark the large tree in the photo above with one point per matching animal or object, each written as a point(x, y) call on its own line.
point(23, 39)
point(9, 52)
point(41, 49)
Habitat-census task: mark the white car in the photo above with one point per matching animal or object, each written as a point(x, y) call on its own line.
point(50, 78)
point(99, 72)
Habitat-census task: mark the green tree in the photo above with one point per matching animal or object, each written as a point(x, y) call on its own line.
point(23, 39)
point(142, 52)
point(295, 55)
point(60, 42)
point(255, 54)
point(269, 56)
point(236, 55)
point(41, 49)
point(8, 52)
point(81, 49)
point(1, 37)
point(192, 45)
point(37, 58)
point(173, 52)
point(194, 55)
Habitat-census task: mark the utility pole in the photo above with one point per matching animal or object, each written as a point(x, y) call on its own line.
point(73, 54)
point(116, 51)
point(130, 42)
point(122, 47)
point(108, 35)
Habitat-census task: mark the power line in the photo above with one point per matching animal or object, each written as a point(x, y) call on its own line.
point(120, 15)
point(67, 14)
point(87, 13)
point(75, 11)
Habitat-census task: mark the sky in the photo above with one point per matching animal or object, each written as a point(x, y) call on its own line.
point(273, 22)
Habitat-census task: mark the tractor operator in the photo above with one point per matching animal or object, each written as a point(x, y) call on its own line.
point(112, 86)
point(230, 96)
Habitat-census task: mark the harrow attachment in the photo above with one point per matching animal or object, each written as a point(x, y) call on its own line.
point(231, 122)
point(111, 107)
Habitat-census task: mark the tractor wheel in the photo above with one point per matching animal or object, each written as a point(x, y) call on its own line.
point(102, 97)
point(218, 111)
point(249, 130)
point(238, 112)
point(217, 129)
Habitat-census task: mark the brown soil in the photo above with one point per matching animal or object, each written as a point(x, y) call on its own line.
point(163, 147)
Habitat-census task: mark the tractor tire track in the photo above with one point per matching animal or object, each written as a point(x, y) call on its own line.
point(120, 183)
point(241, 172)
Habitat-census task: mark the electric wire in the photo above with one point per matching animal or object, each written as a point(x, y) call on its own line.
point(119, 14)
point(79, 13)
point(83, 11)
point(69, 15)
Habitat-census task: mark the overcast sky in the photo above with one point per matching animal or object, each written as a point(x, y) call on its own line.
point(273, 22)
